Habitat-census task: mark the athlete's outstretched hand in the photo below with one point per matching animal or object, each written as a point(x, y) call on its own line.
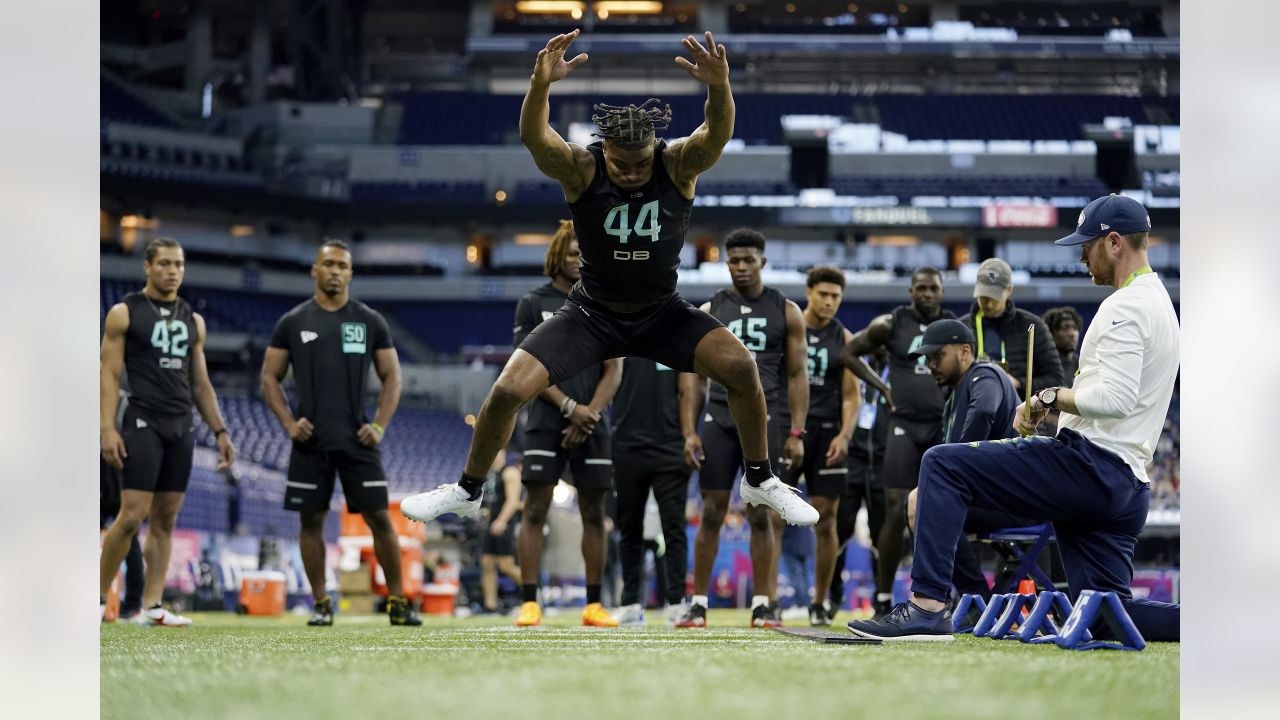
point(710, 64)
point(113, 448)
point(551, 65)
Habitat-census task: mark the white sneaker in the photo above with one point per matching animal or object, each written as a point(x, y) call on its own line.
point(629, 615)
point(159, 617)
point(443, 500)
point(673, 613)
point(781, 497)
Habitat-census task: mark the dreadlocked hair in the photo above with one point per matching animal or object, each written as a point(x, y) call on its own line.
point(632, 127)
point(558, 249)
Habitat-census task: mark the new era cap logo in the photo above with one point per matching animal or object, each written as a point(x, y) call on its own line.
point(141, 423)
point(1104, 226)
point(813, 339)
point(308, 336)
point(745, 309)
point(164, 312)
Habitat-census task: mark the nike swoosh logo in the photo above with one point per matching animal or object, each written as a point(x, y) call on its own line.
point(1116, 322)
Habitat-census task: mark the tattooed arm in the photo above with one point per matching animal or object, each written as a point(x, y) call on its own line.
point(689, 157)
point(570, 164)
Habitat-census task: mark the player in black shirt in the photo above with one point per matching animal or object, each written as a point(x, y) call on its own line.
point(631, 196)
point(331, 340)
point(771, 327)
point(159, 341)
point(833, 408)
point(565, 430)
point(655, 415)
point(915, 410)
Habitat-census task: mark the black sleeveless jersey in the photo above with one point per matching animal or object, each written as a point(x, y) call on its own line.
point(915, 394)
point(761, 325)
point(630, 239)
point(157, 354)
point(826, 373)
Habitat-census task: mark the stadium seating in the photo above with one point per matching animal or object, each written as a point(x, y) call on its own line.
point(119, 105)
point(463, 118)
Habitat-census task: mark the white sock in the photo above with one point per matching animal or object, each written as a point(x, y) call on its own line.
point(699, 600)
point(884, 597)
point(758, 600)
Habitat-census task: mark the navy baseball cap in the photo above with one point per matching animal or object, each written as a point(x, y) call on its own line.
point(1112, 213)
point(943, 332)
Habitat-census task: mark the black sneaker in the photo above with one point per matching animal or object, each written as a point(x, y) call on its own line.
point(401, 612)
point(694, 617)
point(764, 616)
point(322, 615)
point(907, 622)
point(819, 615)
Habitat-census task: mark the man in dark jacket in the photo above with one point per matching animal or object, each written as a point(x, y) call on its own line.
point(1000, 330)
point(980, 407)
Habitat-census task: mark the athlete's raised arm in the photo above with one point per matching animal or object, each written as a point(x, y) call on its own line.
point(567, 163)
point(689, 157)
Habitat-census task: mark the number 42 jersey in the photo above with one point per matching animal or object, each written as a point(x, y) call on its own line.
point(630, 238)
point(157, 354)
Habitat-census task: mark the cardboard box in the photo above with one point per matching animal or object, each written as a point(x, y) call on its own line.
point(355, 582)
point(356, 605)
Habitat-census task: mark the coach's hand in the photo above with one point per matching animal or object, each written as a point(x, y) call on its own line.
point(113, 448)
point(300, 430)
point(368, 435)
point(838, 450)
point(1024, 426)
point(551, 65)
point(573, 437)
point(711, 63)
point(793, 452)
point(226, 451)
point(693, 454)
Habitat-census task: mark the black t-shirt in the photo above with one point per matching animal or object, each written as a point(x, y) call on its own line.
point(157, 354)
point(331, 353)
point(915, 394)
point(535, 306)
point(630, 239)
point(761, 325)
point(826, 373)
point(646, 410)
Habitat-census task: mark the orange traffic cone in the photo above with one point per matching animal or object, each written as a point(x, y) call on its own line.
point(1027, 587)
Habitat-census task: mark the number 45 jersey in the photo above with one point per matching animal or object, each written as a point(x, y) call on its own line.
point(630, 238)
point(761, 325)
point(157, 355)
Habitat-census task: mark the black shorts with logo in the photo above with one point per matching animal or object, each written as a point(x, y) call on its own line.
point(583, 333)
point(907, 442)
point(503, 544)
point(821, 479)
point(722, 448)
point(309, 487)
point(591, 463)
point(160, 449)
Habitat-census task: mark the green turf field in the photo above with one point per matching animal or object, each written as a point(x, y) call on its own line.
point(227, 666)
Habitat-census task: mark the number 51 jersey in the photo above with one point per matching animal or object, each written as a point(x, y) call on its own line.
point(630, 238)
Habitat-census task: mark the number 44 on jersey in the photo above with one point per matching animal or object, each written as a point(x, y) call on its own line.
point(617, 223)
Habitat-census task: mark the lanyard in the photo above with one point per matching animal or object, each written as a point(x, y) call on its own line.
point(977, 321)
point(1133, 276)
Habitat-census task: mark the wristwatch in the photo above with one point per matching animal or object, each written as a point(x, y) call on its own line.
point(1048, 397)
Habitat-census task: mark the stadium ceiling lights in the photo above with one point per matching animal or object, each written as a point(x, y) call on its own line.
point(550, 7)
point(628, 7)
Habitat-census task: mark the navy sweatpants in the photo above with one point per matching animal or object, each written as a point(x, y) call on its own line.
point(1096, 505)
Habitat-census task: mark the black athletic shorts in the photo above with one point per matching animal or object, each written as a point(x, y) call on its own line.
point(583, 333)
point(159, 450)
point(821, 479)
point(907, 443)
point(544, 460)
point(309, 487)
point(722, 450)
point(501, 545)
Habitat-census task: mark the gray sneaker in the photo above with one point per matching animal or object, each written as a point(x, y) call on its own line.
point(629, 615)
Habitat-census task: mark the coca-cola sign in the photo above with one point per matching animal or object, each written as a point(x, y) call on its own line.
point(1000, 216)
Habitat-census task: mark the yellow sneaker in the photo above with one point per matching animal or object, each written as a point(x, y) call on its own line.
point(530, 615)
point(594, 615)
